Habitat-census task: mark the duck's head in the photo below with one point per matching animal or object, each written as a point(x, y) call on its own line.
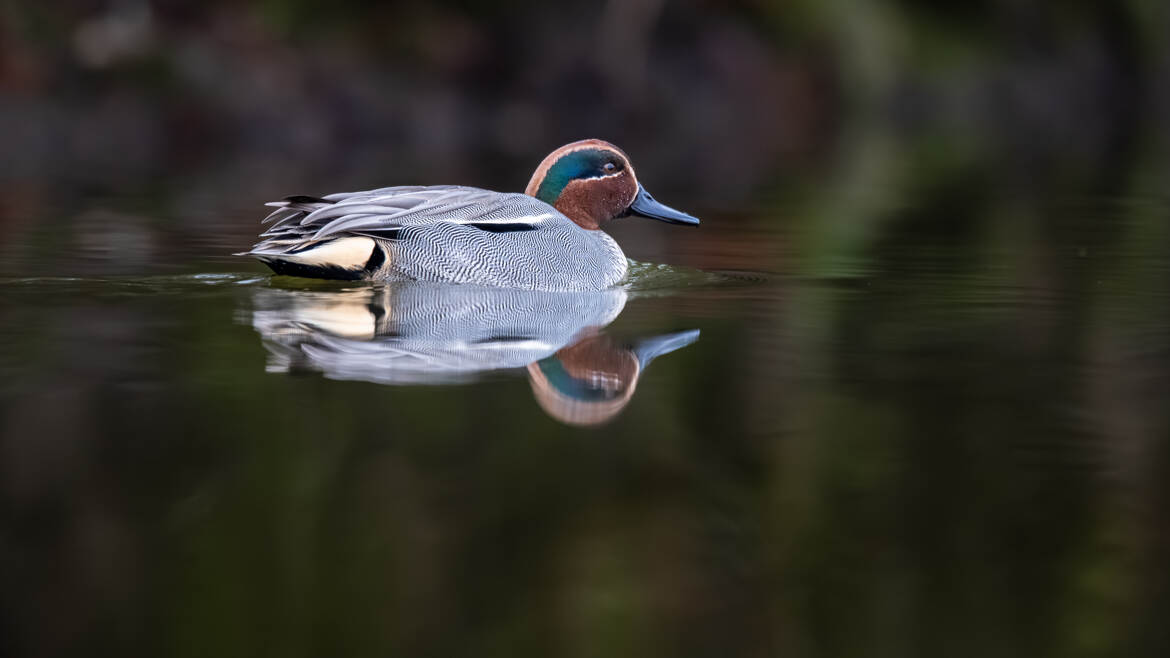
point(592, 182)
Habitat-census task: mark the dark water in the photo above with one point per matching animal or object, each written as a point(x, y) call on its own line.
point(868, 421)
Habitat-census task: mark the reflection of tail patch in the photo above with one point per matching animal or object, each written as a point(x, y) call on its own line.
point(349, 258)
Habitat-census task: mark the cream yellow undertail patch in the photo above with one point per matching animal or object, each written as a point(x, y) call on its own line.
point(349, 253)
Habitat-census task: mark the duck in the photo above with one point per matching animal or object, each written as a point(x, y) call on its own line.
point(548, 238)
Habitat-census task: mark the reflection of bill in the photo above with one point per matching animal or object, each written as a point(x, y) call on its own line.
point(419, 333)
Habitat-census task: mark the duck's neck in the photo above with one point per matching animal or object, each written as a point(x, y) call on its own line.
point(580, 203)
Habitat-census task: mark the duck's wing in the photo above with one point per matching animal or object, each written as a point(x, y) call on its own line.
point(299, 221)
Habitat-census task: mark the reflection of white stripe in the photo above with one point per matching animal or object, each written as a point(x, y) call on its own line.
point(351, 320)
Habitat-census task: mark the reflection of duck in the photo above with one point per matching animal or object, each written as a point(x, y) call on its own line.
point(415, 333)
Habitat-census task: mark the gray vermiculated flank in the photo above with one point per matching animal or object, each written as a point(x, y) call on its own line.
point(433, 239)
point(412, 332)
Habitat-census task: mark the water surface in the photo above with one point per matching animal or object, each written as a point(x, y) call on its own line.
point(864, 431)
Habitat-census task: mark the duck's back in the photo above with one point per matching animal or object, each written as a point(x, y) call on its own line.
point(440, 233)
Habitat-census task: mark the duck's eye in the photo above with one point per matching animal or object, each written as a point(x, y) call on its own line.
point(610, 166)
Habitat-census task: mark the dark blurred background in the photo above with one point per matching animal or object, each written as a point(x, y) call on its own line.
point(746, 89)
point(934, 425)
point(723, 105)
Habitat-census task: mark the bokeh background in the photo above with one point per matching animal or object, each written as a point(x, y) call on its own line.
point(210, 106)
point(939, 428)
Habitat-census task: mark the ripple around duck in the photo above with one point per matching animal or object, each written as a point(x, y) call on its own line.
point(655, 277)
point(642, 278)
point(160, 281)
point(140, 286)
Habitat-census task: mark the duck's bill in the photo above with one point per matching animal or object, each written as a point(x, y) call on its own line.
point(646, 206)
point(649, 349)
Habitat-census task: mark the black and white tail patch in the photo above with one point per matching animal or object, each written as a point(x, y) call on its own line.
point(348, 259)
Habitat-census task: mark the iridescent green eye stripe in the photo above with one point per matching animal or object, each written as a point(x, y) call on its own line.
point(584, 163)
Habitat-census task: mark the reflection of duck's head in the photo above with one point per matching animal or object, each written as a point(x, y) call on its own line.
point(590, 381)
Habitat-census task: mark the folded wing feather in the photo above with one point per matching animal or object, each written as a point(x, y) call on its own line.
point(299, 222)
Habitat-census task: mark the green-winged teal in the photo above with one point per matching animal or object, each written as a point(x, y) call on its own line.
point(546, 239)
